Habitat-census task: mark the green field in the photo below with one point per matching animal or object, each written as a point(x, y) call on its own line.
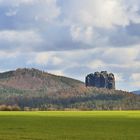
point(70, 125)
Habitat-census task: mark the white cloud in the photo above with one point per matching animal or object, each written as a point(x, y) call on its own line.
point(85, 16)
point(57, 72)
point(96, 64)
point(135, 80)
point(80, 34)
point(135, 76)
point(56, 60)
point(123, 55)
point(99, 13)
point(11, 12)
point(15, 2)
point(39, 10)
point(119, 77)
point(20, 36)
point(46, 10)
point(16, 40)
point(43, 58)
point(8, 54)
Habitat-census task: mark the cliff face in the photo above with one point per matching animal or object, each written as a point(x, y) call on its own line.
point(100, 80)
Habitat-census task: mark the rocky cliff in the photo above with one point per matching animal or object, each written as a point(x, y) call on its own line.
point(100, 80)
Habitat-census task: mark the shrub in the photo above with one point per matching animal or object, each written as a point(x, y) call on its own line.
point(9, 108)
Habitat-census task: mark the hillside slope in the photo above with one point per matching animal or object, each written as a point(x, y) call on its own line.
point(37, 89)
point(33, 79)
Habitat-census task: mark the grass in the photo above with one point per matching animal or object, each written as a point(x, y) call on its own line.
point(102, 125)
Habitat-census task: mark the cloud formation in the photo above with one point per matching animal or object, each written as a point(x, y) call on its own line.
point(72, 37)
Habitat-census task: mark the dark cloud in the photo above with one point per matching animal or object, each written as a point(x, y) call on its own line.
point(124, 37)
point(133, 29)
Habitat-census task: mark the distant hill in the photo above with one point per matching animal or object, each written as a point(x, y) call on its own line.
point(136, 92)
point(37, 89)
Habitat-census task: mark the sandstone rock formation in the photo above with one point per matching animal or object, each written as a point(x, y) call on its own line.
point(100, 80)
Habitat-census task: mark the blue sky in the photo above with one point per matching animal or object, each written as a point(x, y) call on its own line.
point(72, 37)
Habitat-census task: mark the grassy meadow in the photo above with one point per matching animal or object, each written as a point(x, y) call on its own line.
point(94, 125)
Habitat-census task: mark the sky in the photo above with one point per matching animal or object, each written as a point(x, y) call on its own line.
point(72, 38)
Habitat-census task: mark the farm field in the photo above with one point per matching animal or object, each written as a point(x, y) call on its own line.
point(70, 125)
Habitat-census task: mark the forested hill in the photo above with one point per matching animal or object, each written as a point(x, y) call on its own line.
point(33, 79)
point(37, 89)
